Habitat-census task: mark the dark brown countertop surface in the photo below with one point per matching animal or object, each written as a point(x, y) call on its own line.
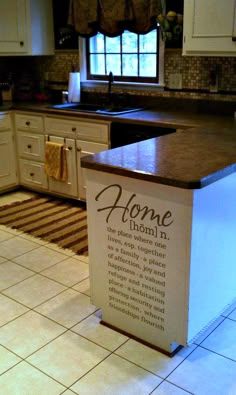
point(188, 159)
point(202, 151)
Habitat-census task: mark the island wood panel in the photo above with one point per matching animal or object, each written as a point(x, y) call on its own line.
point(161, 258)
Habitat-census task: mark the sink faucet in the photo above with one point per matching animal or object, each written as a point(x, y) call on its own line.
point(110, 80)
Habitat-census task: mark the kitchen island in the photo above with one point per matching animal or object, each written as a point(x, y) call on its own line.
point(162, 234)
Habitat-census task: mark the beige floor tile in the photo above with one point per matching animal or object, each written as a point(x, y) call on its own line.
point(166, 388)
point(11, 274)
point(34, 291)
point(91, 329)
point(9, 309)
point(15, 196)
point(24, 379)
point(40, 259)
point(28, 333)
point(4, 236)
point(68, 308)
point(152, 360)
point(2, 259)
point(16, 246)
point(65, 251)
point(82, 258)
point(14, 232)
point(68, 358)
point(83, 287)
point(69, 392)
point(7, 360)
point(115, 376)
point(223, 340)
point(68, 272)
point(206, 373)
point(34, 239)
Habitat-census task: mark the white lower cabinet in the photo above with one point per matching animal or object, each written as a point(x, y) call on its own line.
point(8, 176)
point(85, 148)
point(31, 150)
point(32, 174)
point(68, 187)
point(79, 138)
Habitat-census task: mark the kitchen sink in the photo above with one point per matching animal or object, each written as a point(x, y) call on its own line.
point(83, 107)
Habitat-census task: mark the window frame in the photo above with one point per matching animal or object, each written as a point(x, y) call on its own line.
point(136, 79)
point(124, 85)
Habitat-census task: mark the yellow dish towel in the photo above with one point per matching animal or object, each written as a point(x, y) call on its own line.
point(55, 161)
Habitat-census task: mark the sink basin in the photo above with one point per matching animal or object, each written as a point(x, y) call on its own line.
point(83, 107)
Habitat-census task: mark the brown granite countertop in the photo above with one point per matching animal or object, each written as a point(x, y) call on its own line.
point(202, 150)
point(190, 159)
point(153, 117)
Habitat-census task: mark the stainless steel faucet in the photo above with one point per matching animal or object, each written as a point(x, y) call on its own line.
point(110, 81)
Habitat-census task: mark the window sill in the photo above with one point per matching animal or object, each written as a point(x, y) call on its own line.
point(123, 85)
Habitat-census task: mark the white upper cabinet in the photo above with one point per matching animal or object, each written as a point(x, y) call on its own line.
point(26, 27)
point(209, 28)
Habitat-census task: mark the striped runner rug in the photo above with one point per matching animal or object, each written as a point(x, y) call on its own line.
point(51, 219)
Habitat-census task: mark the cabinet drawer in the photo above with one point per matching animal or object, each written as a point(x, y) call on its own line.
point(92, 132)
point(77, 129)
point(31, 146)
point(5, 121)
point(32, 123)
point(32, 173)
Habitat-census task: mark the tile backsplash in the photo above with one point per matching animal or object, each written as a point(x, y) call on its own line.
point(195, 73)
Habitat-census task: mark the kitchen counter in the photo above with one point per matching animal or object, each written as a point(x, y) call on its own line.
point(200, 152)
point(151, 116)
point(190, 159)
point(162, 260)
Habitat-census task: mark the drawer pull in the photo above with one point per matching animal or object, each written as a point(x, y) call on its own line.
point(29, 146)
point(21, 43)
point(27, 123)
point(234, 38)
point(31, 174)
point(73, 129)
point(79, 149)
point(68, 149)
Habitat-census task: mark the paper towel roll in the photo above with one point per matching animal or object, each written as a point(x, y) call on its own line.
point(74, 88)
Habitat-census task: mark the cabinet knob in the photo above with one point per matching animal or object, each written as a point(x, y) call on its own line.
point(74, 129)
point(31, 174)
point(234, 38)
point(21, 43)
point(70, 148)
point(79, 149)
point(29, 146)
point(27, 123)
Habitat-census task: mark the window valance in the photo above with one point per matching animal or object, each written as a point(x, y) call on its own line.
point(112, 17)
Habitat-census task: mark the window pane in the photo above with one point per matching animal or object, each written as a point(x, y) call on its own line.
point(129, 42)
point(96, 43)
point(113, 44)
point(148, 42)
point(130, 65)
point(147, 65)
point(97, 64)
point(113, 64)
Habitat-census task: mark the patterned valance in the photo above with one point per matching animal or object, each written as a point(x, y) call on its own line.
point(112, 17)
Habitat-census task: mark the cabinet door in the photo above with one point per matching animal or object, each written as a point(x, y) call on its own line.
point(84, 148)
point(32, 174)
point(7, 160)
point(209, 27)
point(69, 187)
point(31, 146)
point(12, 26)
